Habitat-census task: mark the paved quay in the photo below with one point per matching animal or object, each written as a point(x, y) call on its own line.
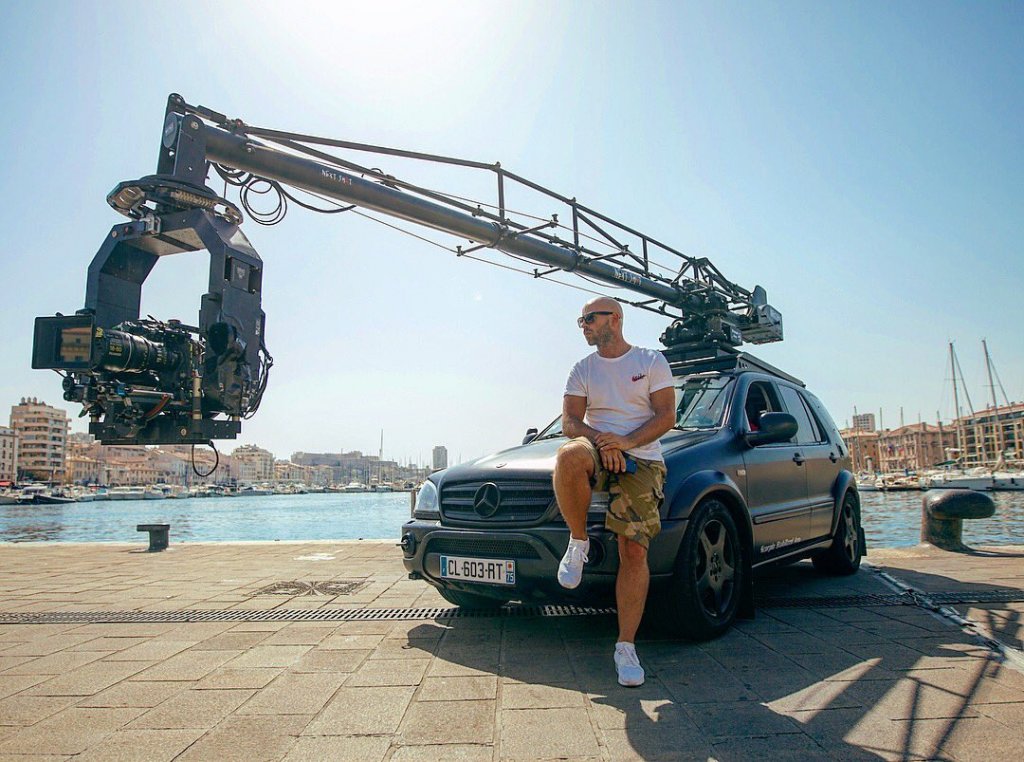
point(307, 651)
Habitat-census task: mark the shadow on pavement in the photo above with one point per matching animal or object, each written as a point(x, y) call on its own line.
point(869, 682)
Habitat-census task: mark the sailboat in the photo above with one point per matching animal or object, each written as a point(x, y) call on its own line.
point(989, 474)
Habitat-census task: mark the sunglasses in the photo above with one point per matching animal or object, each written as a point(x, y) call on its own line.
point(589, 318)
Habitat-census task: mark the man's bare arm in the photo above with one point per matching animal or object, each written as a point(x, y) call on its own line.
point(573, 410)
point(664, 403)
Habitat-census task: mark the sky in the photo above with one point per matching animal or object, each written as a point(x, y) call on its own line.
point(862, 161)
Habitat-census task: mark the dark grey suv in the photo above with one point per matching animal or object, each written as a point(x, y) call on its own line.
point(757, 474)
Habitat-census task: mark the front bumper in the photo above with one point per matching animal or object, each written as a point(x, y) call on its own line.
point(537, 553)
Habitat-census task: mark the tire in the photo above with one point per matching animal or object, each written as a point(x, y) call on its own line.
point(843, 557)
point(470, 600)
point(704, 596)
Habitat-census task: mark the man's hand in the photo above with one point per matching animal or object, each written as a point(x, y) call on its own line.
point(607, 440)
point(613, 460)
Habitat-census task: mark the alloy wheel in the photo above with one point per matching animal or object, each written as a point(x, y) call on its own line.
point(716, 568)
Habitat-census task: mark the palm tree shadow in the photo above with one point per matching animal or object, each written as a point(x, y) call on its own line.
point(803, 682)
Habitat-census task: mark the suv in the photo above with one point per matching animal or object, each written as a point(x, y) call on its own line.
point(757, 474)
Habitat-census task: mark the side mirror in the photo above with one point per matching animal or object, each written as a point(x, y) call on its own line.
point(531, 434)
point(774, 427)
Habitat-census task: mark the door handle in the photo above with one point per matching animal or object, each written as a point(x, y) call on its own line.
point(798, 459)
point(832, 457)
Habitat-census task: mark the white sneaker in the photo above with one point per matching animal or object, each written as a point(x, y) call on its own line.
point(627, 665)
point(570, 570)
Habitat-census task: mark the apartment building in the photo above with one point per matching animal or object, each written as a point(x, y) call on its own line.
point(42, 433)
point(440, 458)
point(992, 435)
point(863, 447)
point(915, 447)
point(252, 464)
point(8, 454)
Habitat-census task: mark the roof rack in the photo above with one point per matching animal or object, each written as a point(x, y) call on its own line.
point(693, 359)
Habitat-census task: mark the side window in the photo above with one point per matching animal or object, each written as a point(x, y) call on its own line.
point(820, 434)
point(827, 422)
point(761, 398)
point(805, 432)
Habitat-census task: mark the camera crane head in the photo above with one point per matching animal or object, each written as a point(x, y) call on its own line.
point(145, 381)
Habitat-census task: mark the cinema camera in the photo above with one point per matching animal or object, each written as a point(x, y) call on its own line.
point(145, 381)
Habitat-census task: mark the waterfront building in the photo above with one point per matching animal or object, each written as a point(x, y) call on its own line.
point(993, 435)
point(82, 469)
point(171, 467)
point(42, 434)
point(351, 466)
point(915, 447)
point(199, 465)
point(864, 422)
point(863, 447)
point(8, 454)
point(440, 457)
point(286, 471)
point(252, 464)
point(321, 475)
point(128, 465)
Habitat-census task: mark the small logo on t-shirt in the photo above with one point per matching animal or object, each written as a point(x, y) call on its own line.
point(638, 376)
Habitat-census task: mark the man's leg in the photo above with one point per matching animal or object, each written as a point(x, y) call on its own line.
point(633, 514)
point(631, 586)
point(574, 468)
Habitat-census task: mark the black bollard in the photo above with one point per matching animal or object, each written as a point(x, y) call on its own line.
point(943, 512)
point(159, 535)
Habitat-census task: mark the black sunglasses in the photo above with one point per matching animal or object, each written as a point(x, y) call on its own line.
point(589, 318)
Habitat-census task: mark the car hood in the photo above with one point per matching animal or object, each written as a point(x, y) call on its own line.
point(537, 459)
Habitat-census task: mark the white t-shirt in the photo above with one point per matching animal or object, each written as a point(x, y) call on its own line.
point(618, 392)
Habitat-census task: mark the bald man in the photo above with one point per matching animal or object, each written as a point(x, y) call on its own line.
point(618, 401)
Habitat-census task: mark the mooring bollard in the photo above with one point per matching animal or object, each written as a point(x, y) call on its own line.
point(943, 512)
point(159, 535)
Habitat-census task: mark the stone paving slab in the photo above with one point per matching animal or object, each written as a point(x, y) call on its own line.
point(817, 681)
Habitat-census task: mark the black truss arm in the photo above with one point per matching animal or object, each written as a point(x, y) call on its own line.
point(710, 308)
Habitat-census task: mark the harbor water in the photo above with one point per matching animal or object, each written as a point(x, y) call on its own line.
point(891, 519)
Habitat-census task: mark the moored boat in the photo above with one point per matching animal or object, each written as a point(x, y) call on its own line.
point(154, 492)
point(40, 494)
point(127, 493)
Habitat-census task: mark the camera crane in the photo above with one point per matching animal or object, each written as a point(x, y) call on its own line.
point(145, 381)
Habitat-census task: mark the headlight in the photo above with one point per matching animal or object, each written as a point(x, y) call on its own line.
point(427, 503)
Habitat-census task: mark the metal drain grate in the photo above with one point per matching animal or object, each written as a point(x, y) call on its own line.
point(1008, 595)
point(290, 615)
point(369, 615)
point(978, 596)
point(835, 601)
point(329, 588)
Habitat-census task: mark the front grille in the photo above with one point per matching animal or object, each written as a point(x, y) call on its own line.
point(487, 548)
point(522, 501)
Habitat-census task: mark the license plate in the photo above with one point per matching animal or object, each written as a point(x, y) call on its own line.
point(495, 571)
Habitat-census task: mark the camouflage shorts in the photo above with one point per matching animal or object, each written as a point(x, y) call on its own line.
point(634, 510)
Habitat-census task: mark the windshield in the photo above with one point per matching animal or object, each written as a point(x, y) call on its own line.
point(701, 400)
point(700, 404)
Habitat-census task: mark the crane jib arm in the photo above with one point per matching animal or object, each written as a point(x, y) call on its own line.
point(242, 152)
point(149, 381)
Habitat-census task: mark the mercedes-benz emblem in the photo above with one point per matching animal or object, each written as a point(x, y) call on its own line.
point(487, 500)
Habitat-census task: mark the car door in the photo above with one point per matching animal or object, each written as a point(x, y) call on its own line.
point(838, 456)
point(776, 481)
point(820, 461)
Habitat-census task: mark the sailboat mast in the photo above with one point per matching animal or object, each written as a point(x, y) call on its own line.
point(995, 404)
point(956, 410)
point(970, 406)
